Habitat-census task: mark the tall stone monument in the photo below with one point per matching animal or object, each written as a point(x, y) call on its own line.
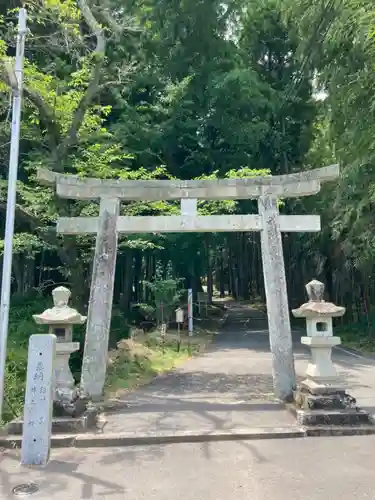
point(321, 398)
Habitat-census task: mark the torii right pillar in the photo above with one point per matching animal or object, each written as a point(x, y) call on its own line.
point(321, 399)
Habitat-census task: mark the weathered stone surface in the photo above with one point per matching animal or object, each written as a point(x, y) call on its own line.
point(320, 339)
point(339, 430)
point(38, 400)
point(277, 300)
point(63, 425)
point(292, 185)
point(347, 417)
point(189, 207)
point(269, 222)
point(320, 401)
point(60, 319)
point(100, 305)
point(65, 393)
point(320, 368)
point(178, 224)
point(60, 313)
point(318, 388)
point(316, 307)
point(338, 400)
point(315, 291)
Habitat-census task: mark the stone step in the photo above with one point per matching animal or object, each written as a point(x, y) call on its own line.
point(61, 425)
point(338, 430)
point(347, 417)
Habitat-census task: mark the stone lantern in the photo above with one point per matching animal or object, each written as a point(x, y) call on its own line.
point(60, 320)
point(321, 398)
point(320, 339)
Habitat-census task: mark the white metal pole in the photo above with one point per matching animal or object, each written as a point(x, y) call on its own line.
point(16, 82)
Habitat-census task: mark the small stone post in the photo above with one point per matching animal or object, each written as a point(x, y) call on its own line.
point(179, 320)
point(60, 320)
point(321, 398)
point(37, 428)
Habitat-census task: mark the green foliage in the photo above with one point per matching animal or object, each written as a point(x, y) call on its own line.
point(21, 326)
point(15, 380)
point(189, 90)
point(165, 295)
point(25, 243)
point(341, 52)
point(359, 335)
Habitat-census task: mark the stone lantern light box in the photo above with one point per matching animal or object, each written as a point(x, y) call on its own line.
point(61, 317)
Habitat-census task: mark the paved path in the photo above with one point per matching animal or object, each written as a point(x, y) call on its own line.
point(300, 469)
point(229, 387)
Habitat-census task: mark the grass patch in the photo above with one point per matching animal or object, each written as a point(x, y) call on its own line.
point(21, 326)
point(357, 336)
point(137, 361)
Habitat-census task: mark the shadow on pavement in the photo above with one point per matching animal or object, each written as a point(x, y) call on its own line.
point(55, 478)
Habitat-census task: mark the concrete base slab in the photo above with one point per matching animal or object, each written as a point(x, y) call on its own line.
point(89, 440)
point(132, 439)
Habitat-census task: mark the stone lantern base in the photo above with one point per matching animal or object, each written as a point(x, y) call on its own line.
point(87, 421)
point(325, 404)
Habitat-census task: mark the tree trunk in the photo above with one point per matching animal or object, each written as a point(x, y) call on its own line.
point(221, 275)
point(137, 274)
point(127, 282)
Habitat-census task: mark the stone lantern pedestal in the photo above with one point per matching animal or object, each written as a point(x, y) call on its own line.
point(321, 398)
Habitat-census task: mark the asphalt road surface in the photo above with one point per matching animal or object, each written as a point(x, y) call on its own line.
point(236, 370)
point(338, 468)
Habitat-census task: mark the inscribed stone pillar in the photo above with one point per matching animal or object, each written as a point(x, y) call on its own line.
point(100, 305)
point(37, 419)
point(277, 300)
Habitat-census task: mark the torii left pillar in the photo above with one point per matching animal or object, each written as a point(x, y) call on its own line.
point(101, 296)
point(280, 335)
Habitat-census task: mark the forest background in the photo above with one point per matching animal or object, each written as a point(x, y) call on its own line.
point(188, 89)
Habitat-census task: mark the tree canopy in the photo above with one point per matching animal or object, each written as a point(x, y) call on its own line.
point(190, 89)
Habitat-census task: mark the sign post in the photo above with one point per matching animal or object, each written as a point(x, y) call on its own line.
point(179, 321)
point(163, 332)
point(190, 312)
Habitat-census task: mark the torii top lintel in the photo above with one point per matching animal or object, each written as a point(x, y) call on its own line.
point(280, 186)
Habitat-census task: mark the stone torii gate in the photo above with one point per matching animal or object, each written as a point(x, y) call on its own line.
point(267, 190)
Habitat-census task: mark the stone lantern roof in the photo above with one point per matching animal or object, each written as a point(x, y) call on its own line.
point(317, 307)
point(60, 313)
